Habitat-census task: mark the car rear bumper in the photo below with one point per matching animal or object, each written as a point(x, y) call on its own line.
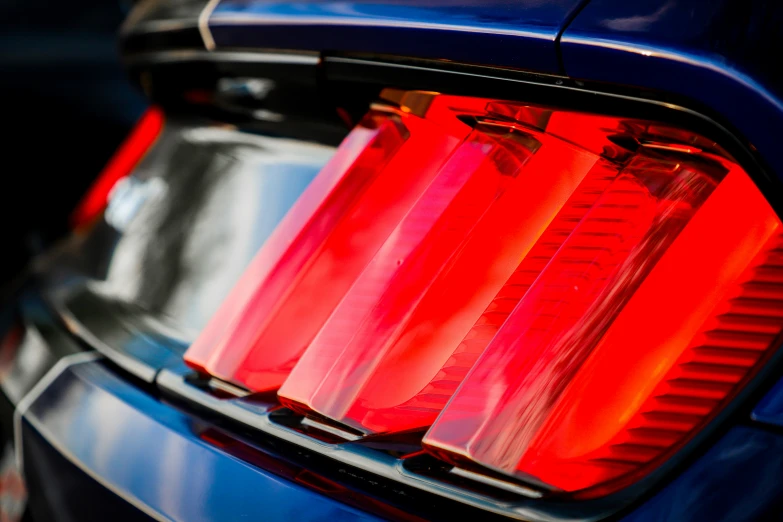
point(93, 444)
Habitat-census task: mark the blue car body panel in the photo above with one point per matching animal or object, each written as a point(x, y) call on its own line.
point(514, 33)
point(716, 54)
point(737, 479)
point(148, 453)
point(770, 409)
point(711, 55)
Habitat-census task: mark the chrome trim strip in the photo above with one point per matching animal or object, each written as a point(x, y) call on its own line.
point(298, 58)
point(310, 423)
point(236, 391)
point(501, 484)
point(24, 405)
point(203, 25)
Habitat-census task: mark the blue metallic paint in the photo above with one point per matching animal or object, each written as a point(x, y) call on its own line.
point(58, 489)
point(737, 479)
point(770, 409)
point(516, 33)
point(715, 53)
point(148, 453)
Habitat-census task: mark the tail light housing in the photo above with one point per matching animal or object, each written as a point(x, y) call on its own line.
point(551, 296)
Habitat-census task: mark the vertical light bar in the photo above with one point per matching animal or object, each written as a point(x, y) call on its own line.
point(324, 242)
point(403, 319)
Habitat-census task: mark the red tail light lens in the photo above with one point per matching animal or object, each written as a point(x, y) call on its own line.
point(431, 279)
point(551, 295)
point(314, 256)
point(574, 388)
point(120, 165)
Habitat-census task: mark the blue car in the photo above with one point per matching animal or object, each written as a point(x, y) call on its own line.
point(416, 260)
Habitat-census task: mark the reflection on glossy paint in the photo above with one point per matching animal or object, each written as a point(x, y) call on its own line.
point(490, 16)
point(126, 198)
point(197, 210)
point(639, 22)
point(148, 454)
point(520, 33)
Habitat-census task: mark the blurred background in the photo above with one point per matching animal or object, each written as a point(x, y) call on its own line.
point(67, 105)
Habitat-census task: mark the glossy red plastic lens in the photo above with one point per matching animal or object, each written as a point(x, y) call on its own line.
point(431, 280)
point(311, 260)
point(121, 164)
point(564, 298)
point(564, 314)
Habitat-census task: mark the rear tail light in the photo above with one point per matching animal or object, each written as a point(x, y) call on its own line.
point(329, 236)
point(628, 339)
point(559, 297)
point(120, 165)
